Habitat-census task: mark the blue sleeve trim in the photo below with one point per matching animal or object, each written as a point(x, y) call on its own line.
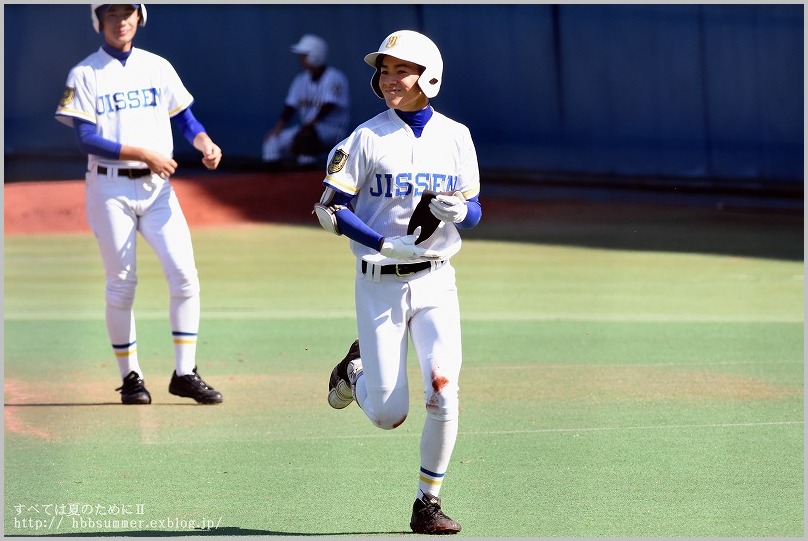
point(92, 143)
point(473, 214)
point(188, 125)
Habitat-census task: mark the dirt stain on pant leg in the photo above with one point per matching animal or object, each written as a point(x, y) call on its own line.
point(438, 383)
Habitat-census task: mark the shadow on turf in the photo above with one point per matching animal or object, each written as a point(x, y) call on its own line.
point(79, 404)
point(225, 531)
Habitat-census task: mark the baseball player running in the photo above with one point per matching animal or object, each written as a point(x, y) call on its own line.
point(405, 289)
point(120, 102)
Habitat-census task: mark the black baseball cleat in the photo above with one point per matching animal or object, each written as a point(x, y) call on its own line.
point(133, 390)
point(340, 394)
point(427, 517)
point(192, 386)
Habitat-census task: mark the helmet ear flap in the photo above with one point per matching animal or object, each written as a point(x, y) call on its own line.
point(95, 18)
point(374, 83)
point(142, 10)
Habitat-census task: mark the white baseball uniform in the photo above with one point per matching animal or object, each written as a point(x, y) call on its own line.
point(307, 96)
point(132, 103)
point(386, 169)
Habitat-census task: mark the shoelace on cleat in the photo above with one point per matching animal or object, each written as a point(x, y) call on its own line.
point(201, 381)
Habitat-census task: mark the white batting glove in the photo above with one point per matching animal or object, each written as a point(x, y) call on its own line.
point(449, 208)
point(404, 247)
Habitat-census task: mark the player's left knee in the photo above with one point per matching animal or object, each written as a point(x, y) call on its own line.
point(306, 142)
point(271, 150)
point(184, 286)
point(443, 406)
point(442, 402)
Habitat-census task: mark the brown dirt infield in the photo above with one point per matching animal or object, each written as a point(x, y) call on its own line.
point(225, 199)
point(220, 198)
point(208, 200)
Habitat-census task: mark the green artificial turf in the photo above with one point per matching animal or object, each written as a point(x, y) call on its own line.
point(605, 393)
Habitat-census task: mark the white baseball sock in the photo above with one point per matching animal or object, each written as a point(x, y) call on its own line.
point(184, 352)
point(184, 316)
point(437, 443)
point(122, 335)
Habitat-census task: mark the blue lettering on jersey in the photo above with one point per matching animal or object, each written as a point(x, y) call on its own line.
point(404, 184)
point(133, 99)
point(380, 191)
point(118, 101)
point(151, 97)
point(438, 182)
point(421, 183)
point(403, 180)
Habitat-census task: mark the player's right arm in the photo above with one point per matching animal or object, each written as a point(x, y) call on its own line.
point(345, 221)
point(90, 142)
point(335, 211)
point(163, 165)
point(342, 220)
point(286, 115)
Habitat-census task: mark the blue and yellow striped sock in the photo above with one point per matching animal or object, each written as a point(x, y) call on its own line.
point(184, 352)
point(429, 482)
point(126, 355)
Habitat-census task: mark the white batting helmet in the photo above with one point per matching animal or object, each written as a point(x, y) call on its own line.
point(413, 47)
point(314, 47)
point(97, 20)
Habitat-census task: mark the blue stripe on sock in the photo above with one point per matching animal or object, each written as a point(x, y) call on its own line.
point(431, 474)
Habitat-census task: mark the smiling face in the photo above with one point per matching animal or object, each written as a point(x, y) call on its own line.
point(119, 24)
point(398, 81)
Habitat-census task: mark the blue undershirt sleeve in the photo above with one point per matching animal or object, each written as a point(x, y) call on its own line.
point(355, 229)
point(473, 215)
point(92, 143)
point(351, 226)
point(187, 124)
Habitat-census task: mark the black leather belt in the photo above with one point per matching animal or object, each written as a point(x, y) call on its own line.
point(402, 269)
point(131, 173)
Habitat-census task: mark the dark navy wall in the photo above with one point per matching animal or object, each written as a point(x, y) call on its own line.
point(701, 90)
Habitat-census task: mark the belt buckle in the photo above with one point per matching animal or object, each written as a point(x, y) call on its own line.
point(402, 275)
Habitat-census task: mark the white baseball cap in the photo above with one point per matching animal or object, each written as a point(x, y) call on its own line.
point(314, 47)
point(95, 9)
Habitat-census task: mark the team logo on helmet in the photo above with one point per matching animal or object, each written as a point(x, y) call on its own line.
point(67, 96)
point(391, 42)
point(337, 162)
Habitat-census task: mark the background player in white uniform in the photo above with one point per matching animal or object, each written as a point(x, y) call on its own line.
point(120, 101)
point(320, 97)
point(375, 179)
